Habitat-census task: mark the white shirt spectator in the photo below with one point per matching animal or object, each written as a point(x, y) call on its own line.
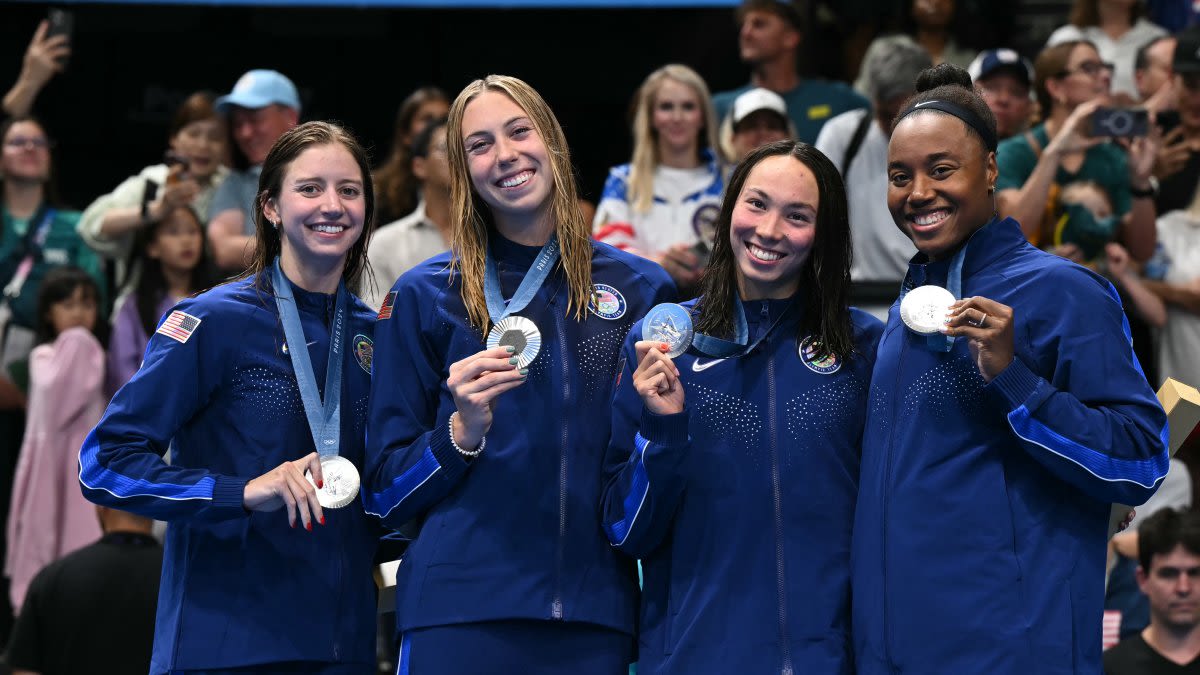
point(1121, 52)
point(396, 248)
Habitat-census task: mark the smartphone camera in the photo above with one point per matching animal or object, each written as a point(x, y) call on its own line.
point(1120, 122)
point(173, 160)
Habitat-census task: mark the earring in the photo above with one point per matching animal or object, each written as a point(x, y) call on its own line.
point(991, 189)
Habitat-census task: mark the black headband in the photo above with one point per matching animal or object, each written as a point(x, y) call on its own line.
point(969, 118)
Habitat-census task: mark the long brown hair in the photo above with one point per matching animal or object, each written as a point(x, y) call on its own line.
point(824, 294)
point(472, 218)
point(1050, 64)
point(1086, 13)
point(394, 180)
point(268, 240)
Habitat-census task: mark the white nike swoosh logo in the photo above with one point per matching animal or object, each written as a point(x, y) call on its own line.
point(698, 367)
point(922, 103)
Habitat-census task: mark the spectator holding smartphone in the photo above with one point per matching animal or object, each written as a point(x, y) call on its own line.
point(1178, 165)
point(44, 58)
point(1072, 84)
point(189, 177)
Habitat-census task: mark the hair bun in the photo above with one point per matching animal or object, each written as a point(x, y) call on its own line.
point(943, 74)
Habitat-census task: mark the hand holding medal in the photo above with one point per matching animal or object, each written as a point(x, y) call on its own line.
point(988, 327)
point(285, 486)
point(475, 382)
point(666, 333)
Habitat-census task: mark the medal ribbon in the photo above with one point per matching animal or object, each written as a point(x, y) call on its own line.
point(939, 342)
point(719, 348)
point(534, 277)
point(324, 418)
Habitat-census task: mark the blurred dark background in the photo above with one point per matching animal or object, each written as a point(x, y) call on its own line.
point(132, 63)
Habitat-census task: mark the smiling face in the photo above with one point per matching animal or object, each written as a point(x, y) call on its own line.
point(256, 129)
point(320, 209)
point(507, 160)
point(772, 227)
point(677, 117)
point(938, 182)
point(202, 144)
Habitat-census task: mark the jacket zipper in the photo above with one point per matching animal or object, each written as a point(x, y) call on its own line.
point(556, 609)
point(884, 494)
point(776, 492)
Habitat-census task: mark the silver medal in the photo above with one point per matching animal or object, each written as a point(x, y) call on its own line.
point(925, 308)
point(519, 333)
point(340, 484)
point(670, 324)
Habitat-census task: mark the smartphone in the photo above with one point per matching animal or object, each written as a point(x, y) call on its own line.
point(61, 22)
point(173, 160)
point(1120, 122)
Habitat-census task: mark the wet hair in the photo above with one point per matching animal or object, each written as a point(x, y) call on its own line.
point(199, 107)
point(950, 86)
point(893, 66)
point(1050, 64)
point(394, 182)
point(824, 293)
point(472, 217)
point(645, 137)
point(268, 240)
point(151, 286)
point(59, 284)
point(420, 142)
point(1165, 529)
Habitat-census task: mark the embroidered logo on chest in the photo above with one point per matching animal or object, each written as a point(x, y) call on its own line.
point(822, 364)
point(607, 302)
point(364, 348)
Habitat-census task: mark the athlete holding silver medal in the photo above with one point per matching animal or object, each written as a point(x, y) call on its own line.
point(260, 572)
point(739, 501)
point(497, 451)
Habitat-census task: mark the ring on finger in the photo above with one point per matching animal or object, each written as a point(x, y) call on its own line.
point(982, 321)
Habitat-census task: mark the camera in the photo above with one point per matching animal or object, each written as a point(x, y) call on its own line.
point(1120, 122)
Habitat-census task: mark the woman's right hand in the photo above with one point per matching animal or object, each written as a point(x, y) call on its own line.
point(174, 195)
point(285, 485)
point(1073, 135)
point(475, 382)
point(656, 379)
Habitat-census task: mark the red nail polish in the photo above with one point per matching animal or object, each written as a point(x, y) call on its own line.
point(292, 524)
point(322, 520)
point(664, 346)
point(320, 484)
point(308, 526)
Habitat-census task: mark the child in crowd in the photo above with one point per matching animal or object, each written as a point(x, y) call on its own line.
point(49, 517)
point(1085, 222)
point(174, 265)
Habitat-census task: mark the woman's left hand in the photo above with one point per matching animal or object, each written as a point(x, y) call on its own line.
point(988, 327)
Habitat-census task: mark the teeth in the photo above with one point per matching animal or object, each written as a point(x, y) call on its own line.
point(519, 179)
point(763, 254)
point(930, 218)
point(329, 229)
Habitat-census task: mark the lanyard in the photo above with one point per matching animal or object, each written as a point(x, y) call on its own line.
point(324, 418)
point(740, 345)
point(938, 342)
point(36, 237)
point(534, 277)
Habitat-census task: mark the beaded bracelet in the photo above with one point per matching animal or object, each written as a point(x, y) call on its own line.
point(465, 453)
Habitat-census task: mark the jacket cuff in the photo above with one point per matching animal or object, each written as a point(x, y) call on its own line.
point(451, 461)
point(668, 430)
point(228, 495)
point(1017, 385)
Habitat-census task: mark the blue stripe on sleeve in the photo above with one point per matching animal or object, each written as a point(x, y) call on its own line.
point(1144, 472)
point(382, 503)
point(618, 532)
point(94, 476)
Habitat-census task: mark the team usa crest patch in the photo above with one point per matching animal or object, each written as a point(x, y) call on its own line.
point(822, 364)
point(385, 311)
point(364, 349)
point(179, 326)
point(607, 302)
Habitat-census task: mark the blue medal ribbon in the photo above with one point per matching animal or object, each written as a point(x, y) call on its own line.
point(719, 348)
point(534, 277)
point(939, 342)
point(324, 417)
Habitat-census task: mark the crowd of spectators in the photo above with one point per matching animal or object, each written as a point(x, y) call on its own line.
point(83, 290)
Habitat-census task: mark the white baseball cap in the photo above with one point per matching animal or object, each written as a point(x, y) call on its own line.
point(757, 99)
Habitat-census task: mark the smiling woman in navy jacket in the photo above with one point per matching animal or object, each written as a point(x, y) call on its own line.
point(244, 588)
point(498, 455)
point(739, 500)
point(993, 448)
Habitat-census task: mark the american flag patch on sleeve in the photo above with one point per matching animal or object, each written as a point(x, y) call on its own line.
point(385, 312)
point(179, 326)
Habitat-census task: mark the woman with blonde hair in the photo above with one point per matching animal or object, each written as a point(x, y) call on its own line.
point(664, 203)
point(501, 355)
